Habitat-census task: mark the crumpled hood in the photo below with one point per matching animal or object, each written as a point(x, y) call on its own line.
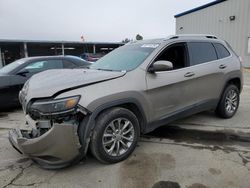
point(48, 83)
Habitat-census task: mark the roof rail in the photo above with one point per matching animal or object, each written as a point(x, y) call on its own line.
point(192, 35)
point(211, 37)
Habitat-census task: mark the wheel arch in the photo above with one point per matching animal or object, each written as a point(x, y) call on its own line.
point(131, 104)
point(236, 81)
point(88, 124)
point(232, 80)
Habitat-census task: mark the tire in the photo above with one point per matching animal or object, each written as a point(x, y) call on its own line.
point(230, 97)
point(104, 146)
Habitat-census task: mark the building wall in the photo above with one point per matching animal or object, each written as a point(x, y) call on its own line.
point(215, 20)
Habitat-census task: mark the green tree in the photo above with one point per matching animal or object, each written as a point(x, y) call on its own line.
point(138, 37)
point(126, 40)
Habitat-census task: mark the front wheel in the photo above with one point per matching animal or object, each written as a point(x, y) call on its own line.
point(229, 102)
point(115, 135)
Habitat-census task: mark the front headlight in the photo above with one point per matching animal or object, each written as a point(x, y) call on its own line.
point(55, 106)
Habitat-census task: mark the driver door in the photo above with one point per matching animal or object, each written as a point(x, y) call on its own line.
point(170, 92)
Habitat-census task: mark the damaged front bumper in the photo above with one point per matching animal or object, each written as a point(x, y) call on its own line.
point(57, 147)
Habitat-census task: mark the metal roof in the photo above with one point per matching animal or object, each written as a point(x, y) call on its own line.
point(199, 8)
point(55, 42)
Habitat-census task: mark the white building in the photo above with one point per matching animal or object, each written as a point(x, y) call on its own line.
point(227, 19)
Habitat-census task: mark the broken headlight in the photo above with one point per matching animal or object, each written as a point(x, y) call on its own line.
point(55, 106)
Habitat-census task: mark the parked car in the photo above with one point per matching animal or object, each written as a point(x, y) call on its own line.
point(14, 75)
point(130, 91)
point(91, 57)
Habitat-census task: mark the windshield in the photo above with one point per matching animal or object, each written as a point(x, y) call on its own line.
point(125, 58)
point(10, 67)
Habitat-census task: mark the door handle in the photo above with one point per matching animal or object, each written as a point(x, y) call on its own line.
point(189, 74)
point(222, 66)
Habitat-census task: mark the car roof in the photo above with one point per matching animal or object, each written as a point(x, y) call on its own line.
point(200, 37)
point(50, 57)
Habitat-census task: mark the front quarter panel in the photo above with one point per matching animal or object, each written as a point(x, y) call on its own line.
point(128, 88)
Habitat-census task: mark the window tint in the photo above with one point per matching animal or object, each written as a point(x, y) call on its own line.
point(201, 52)
point(222, 52)
point(44, 65)
point(68, 64)
point(54, 64)
point(176, 54)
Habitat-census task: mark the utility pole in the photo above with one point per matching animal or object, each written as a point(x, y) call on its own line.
point(63, 53)
point(25, 49)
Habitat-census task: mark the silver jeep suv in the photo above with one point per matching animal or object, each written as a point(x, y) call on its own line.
point(131, 91)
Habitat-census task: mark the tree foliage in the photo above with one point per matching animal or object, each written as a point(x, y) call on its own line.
point(138, 37)
point(126, 40)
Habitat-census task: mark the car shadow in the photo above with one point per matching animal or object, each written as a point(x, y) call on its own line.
point(6, 111)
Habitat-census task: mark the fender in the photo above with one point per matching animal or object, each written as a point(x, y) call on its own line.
point(231, 78)
point(86, 127)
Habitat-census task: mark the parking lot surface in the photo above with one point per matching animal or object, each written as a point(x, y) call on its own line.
point(201, 151)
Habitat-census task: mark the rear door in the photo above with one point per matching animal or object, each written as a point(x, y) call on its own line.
point(5, 90)
point(207, 72)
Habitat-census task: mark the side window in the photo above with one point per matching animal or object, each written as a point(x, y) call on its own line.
point(68, 65)
point(201, 52)
point(176, 54)
point(222, 52)
point(43, 65)
point(53, 64)
point(35, 66)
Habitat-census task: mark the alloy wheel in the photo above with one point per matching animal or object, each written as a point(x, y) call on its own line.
point(231, 102)
point(118, 137)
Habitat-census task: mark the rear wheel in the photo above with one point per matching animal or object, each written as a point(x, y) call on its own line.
point(229, 102)
point(115, 135)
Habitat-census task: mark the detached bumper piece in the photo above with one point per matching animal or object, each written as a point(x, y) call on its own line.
point(56, 148)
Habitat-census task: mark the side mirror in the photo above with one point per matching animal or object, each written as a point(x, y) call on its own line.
point(160, 66)
point(23, 72)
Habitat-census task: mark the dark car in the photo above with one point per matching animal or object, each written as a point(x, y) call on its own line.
point(91, 57)
point(14, 75)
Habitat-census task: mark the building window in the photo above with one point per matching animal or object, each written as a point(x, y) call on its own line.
point(248, 45)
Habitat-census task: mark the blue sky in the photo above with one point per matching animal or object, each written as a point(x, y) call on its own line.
point(96, 20)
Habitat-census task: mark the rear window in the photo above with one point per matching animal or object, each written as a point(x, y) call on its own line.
point(201, 52)
point(222, 52)
point(68, 64)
